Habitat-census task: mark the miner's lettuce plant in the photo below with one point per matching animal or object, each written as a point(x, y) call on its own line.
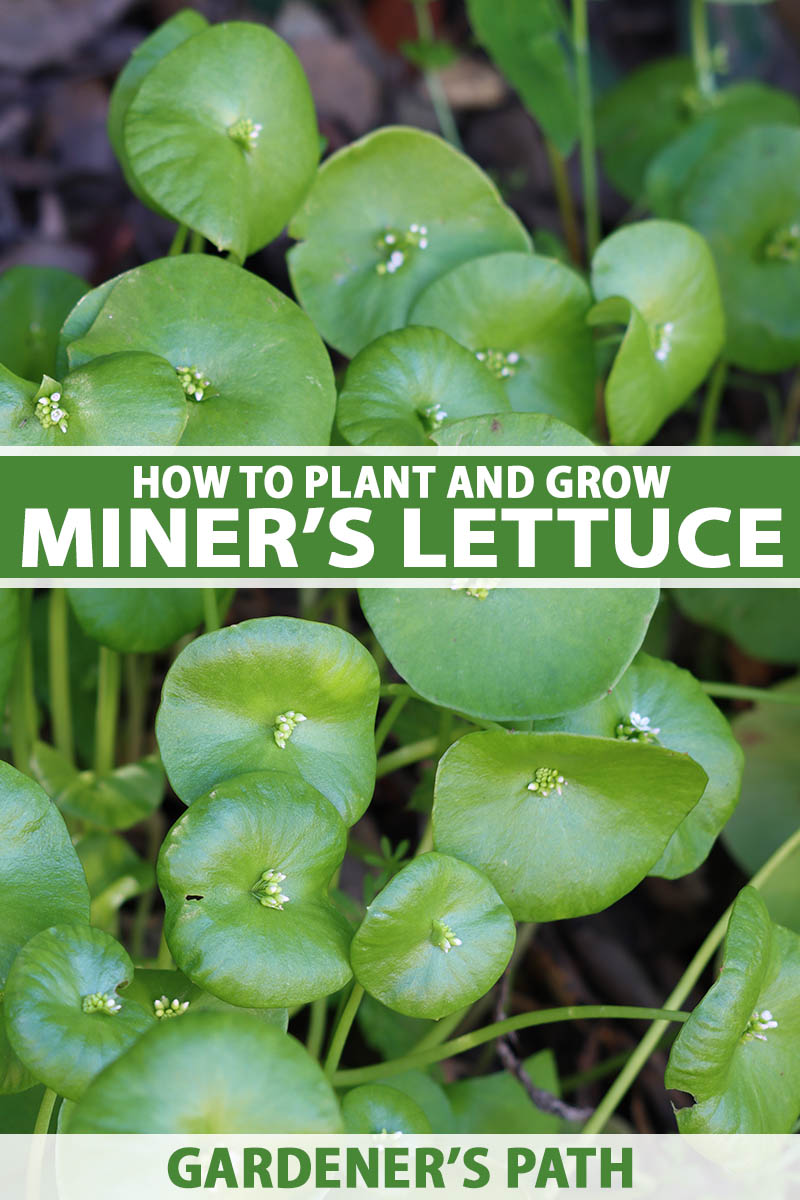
point(552, 809)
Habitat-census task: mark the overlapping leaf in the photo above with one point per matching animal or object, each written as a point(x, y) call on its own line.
point(34, 302)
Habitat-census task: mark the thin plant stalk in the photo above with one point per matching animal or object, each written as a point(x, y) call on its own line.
point(58, 670)
point(137, 679)
point(701, 49)
point(712, 402)
point(406, 755)
point(45, 1113)
point(317, 1017)
point(441, 105)
point(736, 691)
point(210, 610)
point(468, 1041)
point(388, 719)
point(608, 1106)
point(197, 242)
point(583, 82)
point(24, 716)
point(343, 1026)
point(105, 727)
point(565, 200)
point(179, 241)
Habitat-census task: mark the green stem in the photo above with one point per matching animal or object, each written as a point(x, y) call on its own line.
point(608, 1106)
point(565, 201)
point(179, 241)
point(197, 242)
point(210, 610)
point(105, 726)
point(583, 82)
point(406, 755)
point(317, 1016)
point(45, 1113)
point(441, 105)
point(24, 717)
point(701, 49)
point(342, 1029)
point(388, 719)
point(58, 666)
point(468, 1041)
point(735, 691)
point(441, 1031)
point(137, 679)
point(164, 957)
point(712, 400)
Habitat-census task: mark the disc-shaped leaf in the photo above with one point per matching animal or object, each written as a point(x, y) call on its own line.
point(434, 940)
point(166, 37)
point(66, 1013)
point(229, 694)
point(139, 620)
point(563, 825)
point(34, 302)
point(769, 810)
point(738, 1055)
point(509, 429)
point(509, 653)
point(41, 882)
point(384, 218)
point(221, 133)
point(642, 114)
point(117, 400)
point(405, 386)
point(764, 622)
point(211, 1073)
point(167, 993)
point(426, 1092)
point(656, 703)
point(80, 321)
point(377, 1108)
point(498, 1103)
point(738, 107)
point(525, 39)
point(9, 632)
point(252, 367)
point(745, 199)
point(657, 277)
point(245, 875)
point(525, 317)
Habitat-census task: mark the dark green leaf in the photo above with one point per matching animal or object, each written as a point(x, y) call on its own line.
point(140, 620)
point(764, 622)
point(509, 653)
point(435, 939)
point(377, 1108)
point(563, 825)
point(118, 800)
point(738, 1055)
point(399, 184)
point(499, 1104)
point(34, 302)
point(211, 1073)
point(9, 632)
point(245, 875)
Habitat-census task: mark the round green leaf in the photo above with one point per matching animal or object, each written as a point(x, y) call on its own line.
point(139, 620)
point(658, 704)
point(738, 1055)
point(211, 1073)
point(769, 810)
point(509, 653)
point(168, 993)
point(263, 374)
point(245, 875)
point(425, 1092)
point(434, 940)
point(509, 429)
point(433, 204)
point(658, 278)
point(376, 1108)
point(525, 316)
point(563, 825)
point(222, 135)
point(117, 400)
point(80, 321)
point(9, 632)
point(761, 621)
point(228, 694)
point(65, 1016)
point(499, 1104)
point(739, 107)
point(745, 199)
point(33, 304)
point(405, 386)
point(166, 37)
point(642, 114)
point(41, 882)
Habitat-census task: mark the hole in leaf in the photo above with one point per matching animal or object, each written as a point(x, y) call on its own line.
point(194, 897)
